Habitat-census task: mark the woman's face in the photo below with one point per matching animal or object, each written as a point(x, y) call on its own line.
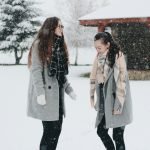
point(101, 47)
point(59, 29)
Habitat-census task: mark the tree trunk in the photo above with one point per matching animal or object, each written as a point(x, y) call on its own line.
point(76, 57)
point(17, 61)
point(18, 58)
point(76, 46)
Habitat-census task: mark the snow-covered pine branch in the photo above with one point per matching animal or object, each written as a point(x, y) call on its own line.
point(18, 25)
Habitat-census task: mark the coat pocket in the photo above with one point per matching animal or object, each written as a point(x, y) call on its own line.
point(113, 100)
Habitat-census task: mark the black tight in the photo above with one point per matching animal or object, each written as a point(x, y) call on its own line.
point(52, 129)
point(106, 139)
point(51, 132)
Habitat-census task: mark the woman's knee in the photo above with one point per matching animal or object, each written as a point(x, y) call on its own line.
point(118, 133)
point(58, 131)
point(101, 131)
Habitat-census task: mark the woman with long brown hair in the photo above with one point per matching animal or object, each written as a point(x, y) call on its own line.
point(48, 63)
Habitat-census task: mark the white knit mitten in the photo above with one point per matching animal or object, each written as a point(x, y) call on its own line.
point(73, 95)
point(41, 100)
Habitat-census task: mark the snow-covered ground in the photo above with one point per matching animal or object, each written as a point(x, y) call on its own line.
point(19, 132)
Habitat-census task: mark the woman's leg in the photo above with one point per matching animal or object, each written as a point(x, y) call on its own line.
point(52, 129)
point(103, 134)
point(118, 136)
point(51, 132)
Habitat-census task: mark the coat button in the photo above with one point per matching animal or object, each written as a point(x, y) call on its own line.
point(49, 87)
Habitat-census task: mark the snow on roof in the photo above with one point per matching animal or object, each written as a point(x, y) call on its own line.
point(121, 9)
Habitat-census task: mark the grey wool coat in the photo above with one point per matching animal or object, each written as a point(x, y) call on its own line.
point(119, 120)
point(50, 111)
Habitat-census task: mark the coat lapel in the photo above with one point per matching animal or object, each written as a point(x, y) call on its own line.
point(109, 73)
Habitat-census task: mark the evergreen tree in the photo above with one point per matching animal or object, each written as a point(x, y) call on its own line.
point(18, 25)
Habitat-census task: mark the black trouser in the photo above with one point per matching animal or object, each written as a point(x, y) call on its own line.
point(52, 130)
point(106, 139)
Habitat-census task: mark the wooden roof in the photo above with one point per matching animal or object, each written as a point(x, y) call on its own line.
point(119, 12)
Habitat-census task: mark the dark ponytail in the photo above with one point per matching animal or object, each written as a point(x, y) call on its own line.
point(114, 47)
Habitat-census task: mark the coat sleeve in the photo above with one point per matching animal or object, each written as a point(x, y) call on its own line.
point(93, 79)
point(36, 70)
point(121, 84)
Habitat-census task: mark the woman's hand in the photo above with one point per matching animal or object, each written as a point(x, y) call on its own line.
point(116, 112)
point(92, 103)
point(41, 100)
point(73, 95)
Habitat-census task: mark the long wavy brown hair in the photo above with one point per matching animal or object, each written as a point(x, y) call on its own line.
point(46, 36)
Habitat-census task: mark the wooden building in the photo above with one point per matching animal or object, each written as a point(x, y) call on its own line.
point(130, 27)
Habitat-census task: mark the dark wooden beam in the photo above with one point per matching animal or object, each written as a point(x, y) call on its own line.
point(97, 22)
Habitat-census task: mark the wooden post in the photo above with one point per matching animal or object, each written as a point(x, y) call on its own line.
point(101, 27)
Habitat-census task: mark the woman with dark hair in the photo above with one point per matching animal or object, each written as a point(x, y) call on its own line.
point(48, 63)
point(109, 78)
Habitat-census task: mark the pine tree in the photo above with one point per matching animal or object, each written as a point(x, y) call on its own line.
point(18, 25)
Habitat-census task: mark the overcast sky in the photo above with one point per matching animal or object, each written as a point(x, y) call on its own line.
point(49, 9)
